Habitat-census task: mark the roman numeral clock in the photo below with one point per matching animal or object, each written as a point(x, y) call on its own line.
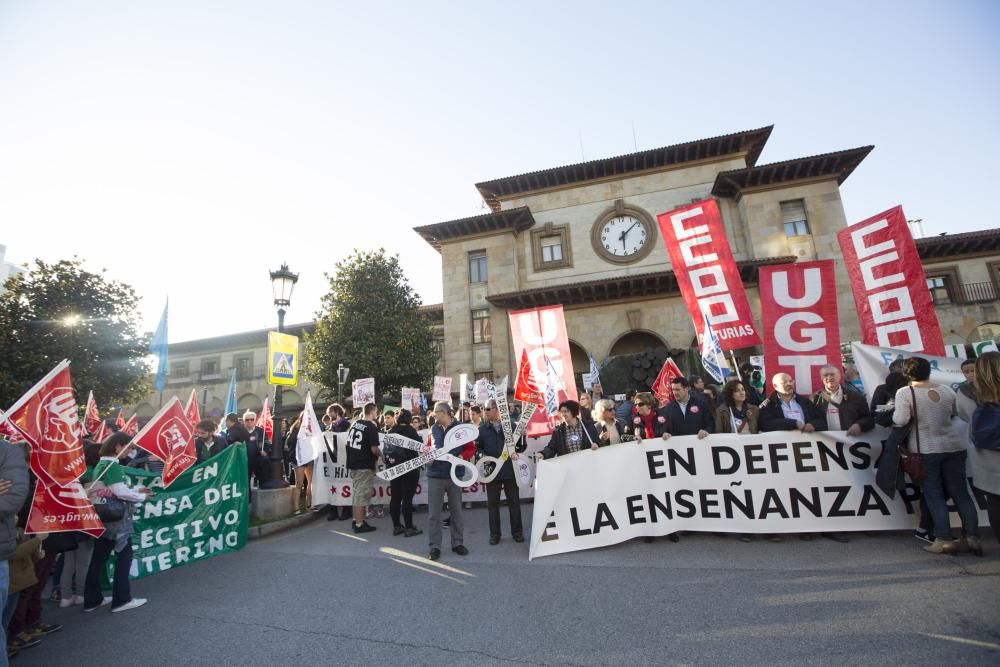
point(623, 234)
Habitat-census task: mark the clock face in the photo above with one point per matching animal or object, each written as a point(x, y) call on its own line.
point(623, 236)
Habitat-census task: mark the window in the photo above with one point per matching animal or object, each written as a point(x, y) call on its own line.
point(481, 326)
point(552, 250)
point(477, 267)
point(793, 215)
point(488, 375)
point(244, 366)
point(938, 286)
point(210, 366)
point(180, 369)
point(550, 247)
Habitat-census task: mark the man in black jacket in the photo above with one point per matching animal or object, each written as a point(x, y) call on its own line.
point(784, 410)
point(687, 413)
point(844, 406)
point(206, 443)
point(235, 432)
point(491, 443)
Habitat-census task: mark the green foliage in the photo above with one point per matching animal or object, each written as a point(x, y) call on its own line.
point(369, 322)
point(61, 311)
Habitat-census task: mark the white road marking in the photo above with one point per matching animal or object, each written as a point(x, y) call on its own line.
point(962, 640)
point(424, 561)
point(428, 571)
point(353, 537)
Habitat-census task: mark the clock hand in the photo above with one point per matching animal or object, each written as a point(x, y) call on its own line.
point(629, 229)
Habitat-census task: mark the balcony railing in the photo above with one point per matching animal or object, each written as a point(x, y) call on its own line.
point(978, 292)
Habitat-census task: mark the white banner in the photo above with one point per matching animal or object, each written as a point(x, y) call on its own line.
point(332, 481)
point(363, 391)
point(779, 482)
point(873, 365)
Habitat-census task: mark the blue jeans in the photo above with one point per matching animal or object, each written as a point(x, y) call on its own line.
point(946, 477)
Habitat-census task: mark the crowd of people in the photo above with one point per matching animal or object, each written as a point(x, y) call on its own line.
point(924, 442)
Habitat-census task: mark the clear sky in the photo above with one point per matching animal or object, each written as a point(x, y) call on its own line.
point(189, 147)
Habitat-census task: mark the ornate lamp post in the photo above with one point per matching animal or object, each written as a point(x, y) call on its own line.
point(282, 283)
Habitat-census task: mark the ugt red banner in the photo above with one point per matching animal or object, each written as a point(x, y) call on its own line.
point(526, 389)
point(47, 417)
point(56, 509)
point(799, 317)
point(540, 333)
point(889, 285)
point(707, 274)
point(170, 437)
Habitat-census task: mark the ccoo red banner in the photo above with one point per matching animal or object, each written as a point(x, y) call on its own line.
point(540, 334)
point(707, 274)
point(889, 285)
point(799, 317)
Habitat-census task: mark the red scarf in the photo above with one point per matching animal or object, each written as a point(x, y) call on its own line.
point(647, 424)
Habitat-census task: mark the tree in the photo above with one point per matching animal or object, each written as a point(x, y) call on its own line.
point(369, 322)
point(61, 311)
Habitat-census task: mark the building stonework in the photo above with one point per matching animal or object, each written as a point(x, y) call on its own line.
point(775, 213)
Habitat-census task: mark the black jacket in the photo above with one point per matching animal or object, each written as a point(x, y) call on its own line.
point(396, 455)
point(638, 431)
point(602, 428)
point(492, 443)
point(853, 410)
point(557, 443)
point(237, 433)
point(206, 451)
point(773, 419)
point(699, 417)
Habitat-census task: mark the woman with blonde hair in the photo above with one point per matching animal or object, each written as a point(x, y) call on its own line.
point(984, 430)
point(610, 429)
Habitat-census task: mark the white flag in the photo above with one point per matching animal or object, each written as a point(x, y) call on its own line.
point(309, 444)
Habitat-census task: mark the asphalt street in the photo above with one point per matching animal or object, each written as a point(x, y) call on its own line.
point(311, 596)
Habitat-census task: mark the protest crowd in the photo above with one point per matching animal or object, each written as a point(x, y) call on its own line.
point(66, 567)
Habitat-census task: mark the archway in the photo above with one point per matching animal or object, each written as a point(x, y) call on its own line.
point(985, 331)
point(581, 362)
point(145, 410)
point(249, 402)
point(636, 341)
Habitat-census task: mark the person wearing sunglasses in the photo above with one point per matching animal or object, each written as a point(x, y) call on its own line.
point(648, 422)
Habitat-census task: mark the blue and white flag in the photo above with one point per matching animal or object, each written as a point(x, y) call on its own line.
point(551, 385)
point(231, 395)
point(158, 346)
point(591, 377)
point(712, 357)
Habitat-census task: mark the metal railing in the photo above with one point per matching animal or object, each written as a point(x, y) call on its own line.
point(978, 292)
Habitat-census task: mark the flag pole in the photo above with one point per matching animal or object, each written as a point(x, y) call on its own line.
point(739, 376)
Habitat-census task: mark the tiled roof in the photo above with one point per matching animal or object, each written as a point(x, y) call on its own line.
point(839, 164)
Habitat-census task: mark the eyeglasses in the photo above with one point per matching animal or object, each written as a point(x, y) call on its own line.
point(639, 405)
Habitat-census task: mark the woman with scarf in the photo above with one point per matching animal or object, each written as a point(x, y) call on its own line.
point(736, 414)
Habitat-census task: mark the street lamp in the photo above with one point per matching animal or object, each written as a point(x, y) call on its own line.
point(282, 283)
point(341, 379)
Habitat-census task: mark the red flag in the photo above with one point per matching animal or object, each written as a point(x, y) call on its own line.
point(47, 417)
point(120, 420)
point(192, 412)
point(889, 285)
point(707, 274)
point(102, 433)
point(539, 335)
point(266, 422)
point(131, 426)
point(91, 417)
point(798, 304)
point(8, 429)
point(526, 389)
point(170, 437)
point(661, 386)
point(57, 509)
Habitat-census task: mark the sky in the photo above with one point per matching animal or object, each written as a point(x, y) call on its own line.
point(191, 147)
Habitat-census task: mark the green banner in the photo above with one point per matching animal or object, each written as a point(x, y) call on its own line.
point(204, 513)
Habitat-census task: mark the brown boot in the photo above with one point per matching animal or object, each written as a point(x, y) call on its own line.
point(939, 546)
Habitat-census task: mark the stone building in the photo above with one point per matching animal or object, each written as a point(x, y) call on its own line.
point(206, 365)
point(541, 244)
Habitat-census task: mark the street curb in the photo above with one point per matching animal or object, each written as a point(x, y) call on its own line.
point(257, 532)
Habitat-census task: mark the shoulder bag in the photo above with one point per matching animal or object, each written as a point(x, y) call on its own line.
point(109, 507)
point(913, 462)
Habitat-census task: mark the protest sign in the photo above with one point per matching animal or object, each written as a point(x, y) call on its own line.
point(873, 362)
point(798, 305)
point(779, 482)
point(706, 273)
point(889, 284)
point(204, 513)
point(539, 336)
point(442, 389)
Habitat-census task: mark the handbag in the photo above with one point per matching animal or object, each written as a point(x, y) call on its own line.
point(913, 462)
point(109, 507)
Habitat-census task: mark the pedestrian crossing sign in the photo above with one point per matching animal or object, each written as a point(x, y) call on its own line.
point(282, 358)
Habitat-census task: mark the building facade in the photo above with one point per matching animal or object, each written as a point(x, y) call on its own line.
point(552, 237)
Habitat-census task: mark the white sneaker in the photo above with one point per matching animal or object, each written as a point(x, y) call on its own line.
point(78, 599)
point(131, 604)
point(68, 602)
point(105, 601)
